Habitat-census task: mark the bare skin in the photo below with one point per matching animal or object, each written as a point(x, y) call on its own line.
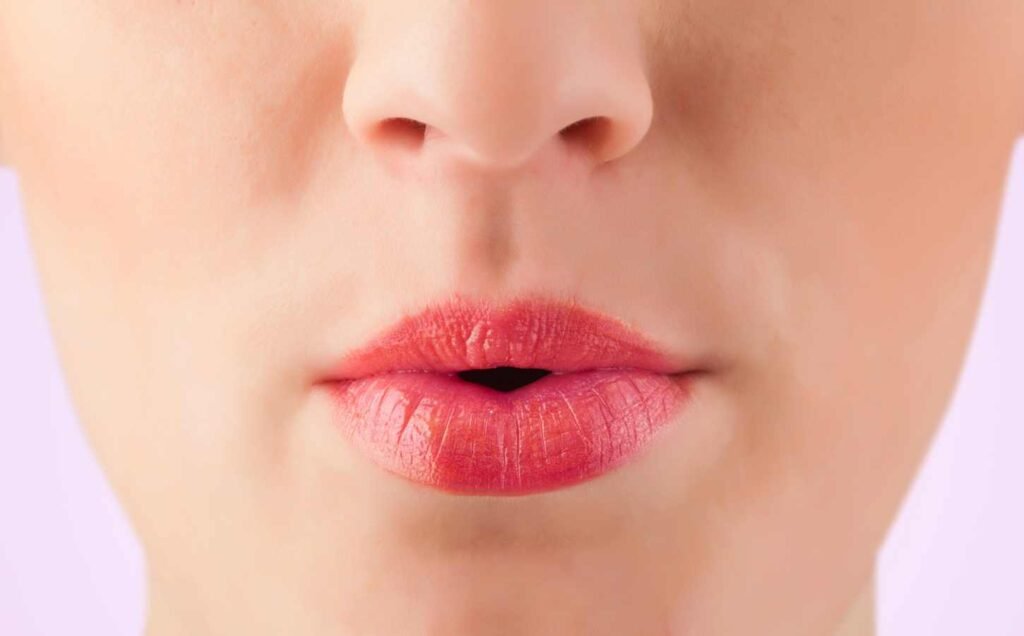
point(220, 204)
point(860, 620)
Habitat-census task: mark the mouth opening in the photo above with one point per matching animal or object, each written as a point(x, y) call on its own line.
point(504, 379)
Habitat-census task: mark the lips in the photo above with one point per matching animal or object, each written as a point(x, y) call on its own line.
point(530, 396)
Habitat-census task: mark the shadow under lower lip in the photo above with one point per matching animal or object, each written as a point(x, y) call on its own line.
point(442, 431)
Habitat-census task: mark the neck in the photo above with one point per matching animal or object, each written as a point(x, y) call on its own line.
point(858, 621)
point(860, 618)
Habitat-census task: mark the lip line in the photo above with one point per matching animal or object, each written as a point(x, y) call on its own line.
point(386, 372)
point(509, 326)
point(682, 379)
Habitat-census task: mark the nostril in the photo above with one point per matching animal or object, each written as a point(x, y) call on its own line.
point(589, 133)
point(400, 131)
point(503, 379)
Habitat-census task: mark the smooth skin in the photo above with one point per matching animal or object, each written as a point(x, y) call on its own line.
point(226, 196)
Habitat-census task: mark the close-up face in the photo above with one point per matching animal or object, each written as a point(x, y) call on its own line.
point(744, 240)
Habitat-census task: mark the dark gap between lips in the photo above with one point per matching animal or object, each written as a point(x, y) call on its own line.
point(504, 379)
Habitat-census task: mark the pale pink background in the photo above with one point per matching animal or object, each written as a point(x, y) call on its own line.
point(953, 564)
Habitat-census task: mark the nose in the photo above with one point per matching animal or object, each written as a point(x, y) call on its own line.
point(496, 83)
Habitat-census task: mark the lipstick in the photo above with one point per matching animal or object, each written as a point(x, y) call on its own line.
point(481, 398)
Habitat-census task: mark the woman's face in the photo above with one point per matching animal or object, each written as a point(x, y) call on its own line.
point(226, 197)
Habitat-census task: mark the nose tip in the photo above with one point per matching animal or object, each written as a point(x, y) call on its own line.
point(493, 87)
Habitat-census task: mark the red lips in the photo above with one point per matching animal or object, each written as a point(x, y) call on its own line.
point(402, 402)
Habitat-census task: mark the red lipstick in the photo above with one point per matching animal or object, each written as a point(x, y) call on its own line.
point(533, 395)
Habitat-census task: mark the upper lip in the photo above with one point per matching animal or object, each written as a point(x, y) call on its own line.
point(462, 334)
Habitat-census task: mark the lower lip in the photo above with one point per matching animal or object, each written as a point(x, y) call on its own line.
point(441, 431)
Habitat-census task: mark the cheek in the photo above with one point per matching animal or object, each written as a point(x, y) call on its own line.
point(179, 150)
point(865, 221)
point(873, 332)
point(169, 127)
point(861, 224)
point(864, 337)
point(170, 157)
